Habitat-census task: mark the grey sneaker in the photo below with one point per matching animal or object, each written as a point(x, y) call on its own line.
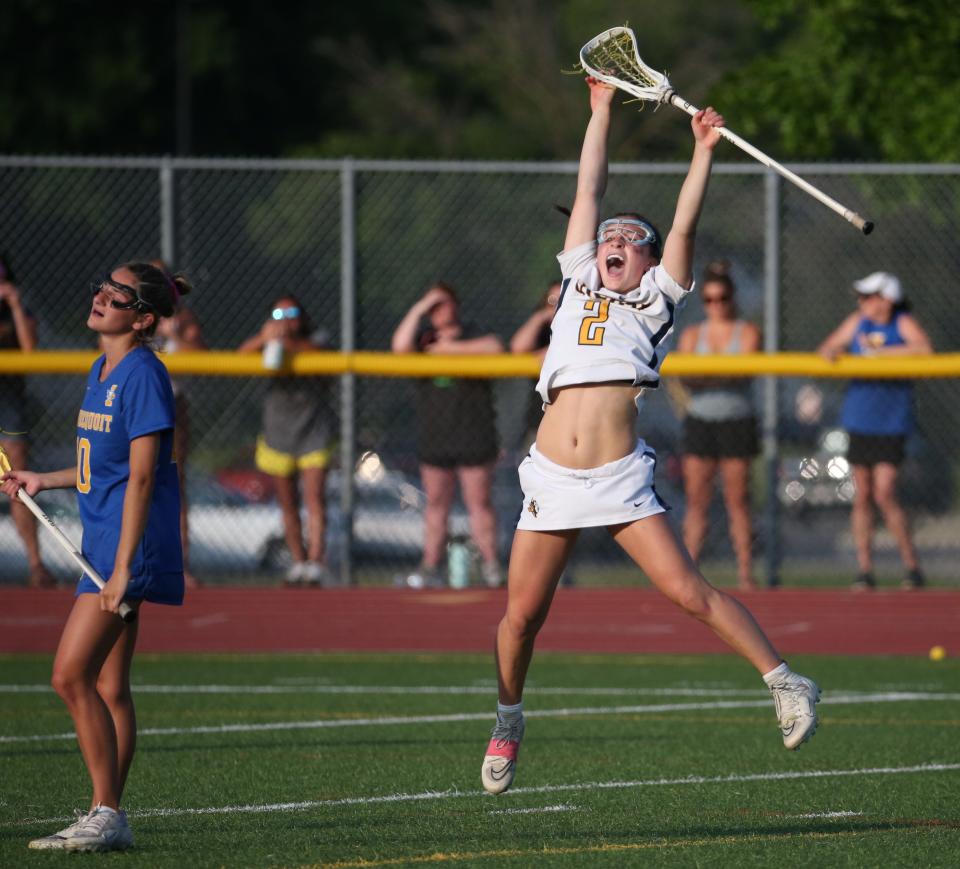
point(57, 840)
point(796, 698)
point(425, 577)
point(102, 830)
point(500, 761)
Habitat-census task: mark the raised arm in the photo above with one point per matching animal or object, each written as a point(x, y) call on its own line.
point(678, 248)
point(526, 338)
point(405, 336)
point(840, 338)
point(592, 174)
point(24, 323)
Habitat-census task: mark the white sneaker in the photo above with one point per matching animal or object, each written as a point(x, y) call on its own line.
point(500, 761)
point(102, 830)
point(314, 573)
point(796, 698)
point(295, 573)
point(57, 840)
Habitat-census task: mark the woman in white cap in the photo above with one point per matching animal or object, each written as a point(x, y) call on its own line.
point(878, 416)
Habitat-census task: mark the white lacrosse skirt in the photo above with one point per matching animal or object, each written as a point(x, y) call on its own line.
point(556, 498)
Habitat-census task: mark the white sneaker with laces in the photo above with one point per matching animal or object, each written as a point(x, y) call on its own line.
point(57, 840)
point(102, 830)
point(500, 761)
point(796, 698)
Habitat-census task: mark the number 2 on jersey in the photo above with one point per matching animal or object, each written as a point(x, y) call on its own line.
point(591, 332)
point(83, 465)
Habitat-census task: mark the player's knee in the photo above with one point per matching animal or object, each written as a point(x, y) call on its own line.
point(69, 684)
point(694, 598)
point(113, 693)
point(523, 623)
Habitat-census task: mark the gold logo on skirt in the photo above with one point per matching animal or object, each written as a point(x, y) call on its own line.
point(533, 509)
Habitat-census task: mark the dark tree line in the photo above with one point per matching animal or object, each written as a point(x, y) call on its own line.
point(818, 79)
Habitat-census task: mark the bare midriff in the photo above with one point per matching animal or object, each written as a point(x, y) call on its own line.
point(589, 425)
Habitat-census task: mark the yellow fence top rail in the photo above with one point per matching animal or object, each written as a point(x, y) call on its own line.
point(372, 364)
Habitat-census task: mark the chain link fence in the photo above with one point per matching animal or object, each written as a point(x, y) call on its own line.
point(358, 242)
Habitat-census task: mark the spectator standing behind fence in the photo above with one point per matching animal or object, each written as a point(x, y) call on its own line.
point(18, 331)
point(295, 444)
point(181, 332)
point(456, 432)
point(720, 427)
point(534, 337)
point(878, 417)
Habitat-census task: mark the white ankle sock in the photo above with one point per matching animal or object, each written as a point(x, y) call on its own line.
point(507, 712)
point(776, 674)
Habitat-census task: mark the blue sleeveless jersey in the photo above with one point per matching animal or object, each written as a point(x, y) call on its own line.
point(135, 400)
point(878, 407)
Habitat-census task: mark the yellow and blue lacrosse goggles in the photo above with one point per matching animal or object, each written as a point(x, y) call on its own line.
point(630, 229)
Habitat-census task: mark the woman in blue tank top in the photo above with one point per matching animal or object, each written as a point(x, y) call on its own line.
point(878, 416)
point(720, 427)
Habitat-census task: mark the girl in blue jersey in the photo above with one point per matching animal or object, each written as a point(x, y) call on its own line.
point(128, 494)
point(878, 416)
point(587, 468)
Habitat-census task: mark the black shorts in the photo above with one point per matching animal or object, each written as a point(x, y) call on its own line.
point(449, 459)
point(723, 439)
point(871, 450)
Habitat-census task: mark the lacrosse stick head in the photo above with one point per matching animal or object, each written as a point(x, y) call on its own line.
point(612, 57)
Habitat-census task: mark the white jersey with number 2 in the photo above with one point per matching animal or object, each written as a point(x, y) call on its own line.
point(599, 336)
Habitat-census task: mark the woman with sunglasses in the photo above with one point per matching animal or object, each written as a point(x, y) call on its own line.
point(878, 416)
point(127, 491)
point(720, 427)
point(294, 444)
point(587, 468)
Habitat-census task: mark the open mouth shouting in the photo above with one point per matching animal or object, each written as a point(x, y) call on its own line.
point(615, 264)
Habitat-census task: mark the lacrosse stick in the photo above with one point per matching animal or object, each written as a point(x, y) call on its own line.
point(612, 57)
point(127, 613)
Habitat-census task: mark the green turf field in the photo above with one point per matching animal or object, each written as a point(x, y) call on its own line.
point(373, 760)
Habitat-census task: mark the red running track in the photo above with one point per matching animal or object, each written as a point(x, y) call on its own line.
point(582, 620)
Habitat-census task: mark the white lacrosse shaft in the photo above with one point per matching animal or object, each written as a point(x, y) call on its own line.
point(865, 226)
point(127, 612)
point(612, 57)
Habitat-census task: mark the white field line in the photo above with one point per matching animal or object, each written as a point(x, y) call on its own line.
point(828, 815)
point(568, 712)
point(563, 807)
point(423, 796)
point(453, 690)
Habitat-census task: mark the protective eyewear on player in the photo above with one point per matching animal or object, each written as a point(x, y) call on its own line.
point(285, 313)
point(631, 230)
point(716, 300)
point(136, 303)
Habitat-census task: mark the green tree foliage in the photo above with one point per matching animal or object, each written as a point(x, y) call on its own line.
point(819, 79)
point(852, 80)
point(490, 84)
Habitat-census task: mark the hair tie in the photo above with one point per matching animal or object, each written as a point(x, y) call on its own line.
point(173, 286)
